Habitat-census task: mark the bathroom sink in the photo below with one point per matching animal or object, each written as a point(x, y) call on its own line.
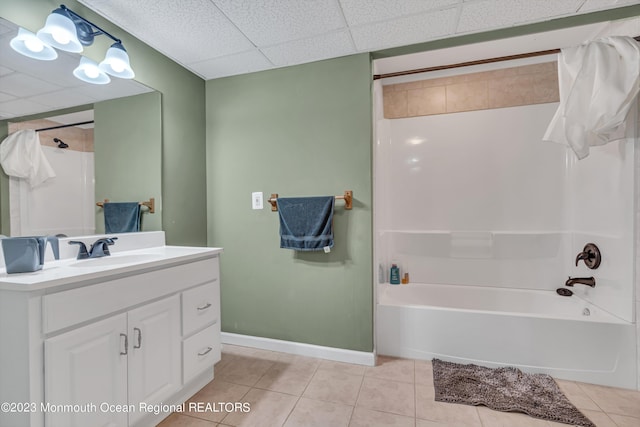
point(114, 260)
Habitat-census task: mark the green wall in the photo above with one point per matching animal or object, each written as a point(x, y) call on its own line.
point(183, 207)
point(296, 131)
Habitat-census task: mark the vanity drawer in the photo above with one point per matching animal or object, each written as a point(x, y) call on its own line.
point(74, 306)
point(199, 352)
point(200, 307)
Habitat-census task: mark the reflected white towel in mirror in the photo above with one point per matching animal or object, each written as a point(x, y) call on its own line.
point(599, 81)
point(21, 156)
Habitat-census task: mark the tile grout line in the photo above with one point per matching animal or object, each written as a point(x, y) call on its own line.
point(301, 394)
point(355, 404)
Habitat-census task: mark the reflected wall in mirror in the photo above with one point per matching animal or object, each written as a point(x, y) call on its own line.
point(129, 136)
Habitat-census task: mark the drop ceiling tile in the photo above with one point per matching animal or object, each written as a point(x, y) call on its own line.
point(405, 31)
point(62, 99)
point(186, 30)
point(21, 85)
point(6, 97)
point(118, 88)
point(5, 70)
point(21, 107)
point(268, 22)
point(312, 49)
point(481, 15)
point(359, 12)
point(241, 63)
point(77, 117)
point(591, 5)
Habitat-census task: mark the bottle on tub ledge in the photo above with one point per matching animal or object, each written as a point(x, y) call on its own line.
point(405, 279)
point(394, 276)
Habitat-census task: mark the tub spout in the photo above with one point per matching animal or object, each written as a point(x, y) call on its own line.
point(588, 281)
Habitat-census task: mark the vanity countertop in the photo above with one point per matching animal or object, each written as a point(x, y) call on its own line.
point(70, 273)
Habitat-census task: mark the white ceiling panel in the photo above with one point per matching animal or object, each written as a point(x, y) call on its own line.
point(20, 107)
point(312, 49)
point(487, 14)
point(241, 63)
point(78, 117)
point(267, 22)
point(6, 97)
point(405, 31)
point(118, 88)
point(24, 86)
point(591, 5)
point(358, 12)
point(187, 30)
point(62, 99)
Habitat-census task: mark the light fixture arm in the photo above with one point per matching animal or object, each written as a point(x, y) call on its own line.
point(77, 18)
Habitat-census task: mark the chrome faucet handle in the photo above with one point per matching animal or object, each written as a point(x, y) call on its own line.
point(82, 252)
point(100, 247)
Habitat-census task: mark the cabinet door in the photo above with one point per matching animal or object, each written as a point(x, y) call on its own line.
point(87, 367)
point(154, 356)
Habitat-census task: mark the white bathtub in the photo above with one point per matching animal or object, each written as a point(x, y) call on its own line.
point(537, 331)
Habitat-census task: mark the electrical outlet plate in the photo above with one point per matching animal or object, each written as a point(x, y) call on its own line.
point(256, 200)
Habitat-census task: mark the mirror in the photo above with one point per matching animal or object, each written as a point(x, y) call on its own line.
point(127, 139)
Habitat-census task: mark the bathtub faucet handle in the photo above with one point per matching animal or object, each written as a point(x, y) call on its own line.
point(591, 256)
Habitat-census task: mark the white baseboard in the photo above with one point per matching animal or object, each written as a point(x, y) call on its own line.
point(301, 349)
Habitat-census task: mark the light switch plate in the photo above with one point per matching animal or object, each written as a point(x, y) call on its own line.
point(256, 200)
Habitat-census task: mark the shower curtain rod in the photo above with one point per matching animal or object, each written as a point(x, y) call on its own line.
point(469, 63)
point(65, 126)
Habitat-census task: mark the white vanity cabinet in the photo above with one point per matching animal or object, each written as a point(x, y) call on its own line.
point(122, 360)
point(87, 363)
point(113, 346)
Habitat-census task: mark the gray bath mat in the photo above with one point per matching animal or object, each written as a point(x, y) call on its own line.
point(505, 389)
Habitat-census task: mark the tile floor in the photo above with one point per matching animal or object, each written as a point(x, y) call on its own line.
point(290, 391)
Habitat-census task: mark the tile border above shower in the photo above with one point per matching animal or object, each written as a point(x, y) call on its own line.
point(506, 87)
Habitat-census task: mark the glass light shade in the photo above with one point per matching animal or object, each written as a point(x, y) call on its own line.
point(60, 32)
point(116, 62)
point(28, 44)
point(88, 71)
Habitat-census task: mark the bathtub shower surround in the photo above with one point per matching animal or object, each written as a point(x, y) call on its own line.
point(64, 204)
point(475, 200)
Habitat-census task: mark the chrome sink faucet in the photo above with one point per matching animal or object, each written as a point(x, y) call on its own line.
point(588, 281)
point(98, 249)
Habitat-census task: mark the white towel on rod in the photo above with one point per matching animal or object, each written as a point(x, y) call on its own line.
point(21, 156)
point(599, 81)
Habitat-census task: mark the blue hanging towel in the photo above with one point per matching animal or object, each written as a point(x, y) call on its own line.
point(121, 217)
point(306, 223)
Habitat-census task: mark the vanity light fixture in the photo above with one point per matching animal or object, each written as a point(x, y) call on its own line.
point(68, 31)
point(28, 44)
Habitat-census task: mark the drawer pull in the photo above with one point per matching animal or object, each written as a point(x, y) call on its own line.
point(126, 345)
point(204, 307)
point(206, 351)
point(139, 337)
